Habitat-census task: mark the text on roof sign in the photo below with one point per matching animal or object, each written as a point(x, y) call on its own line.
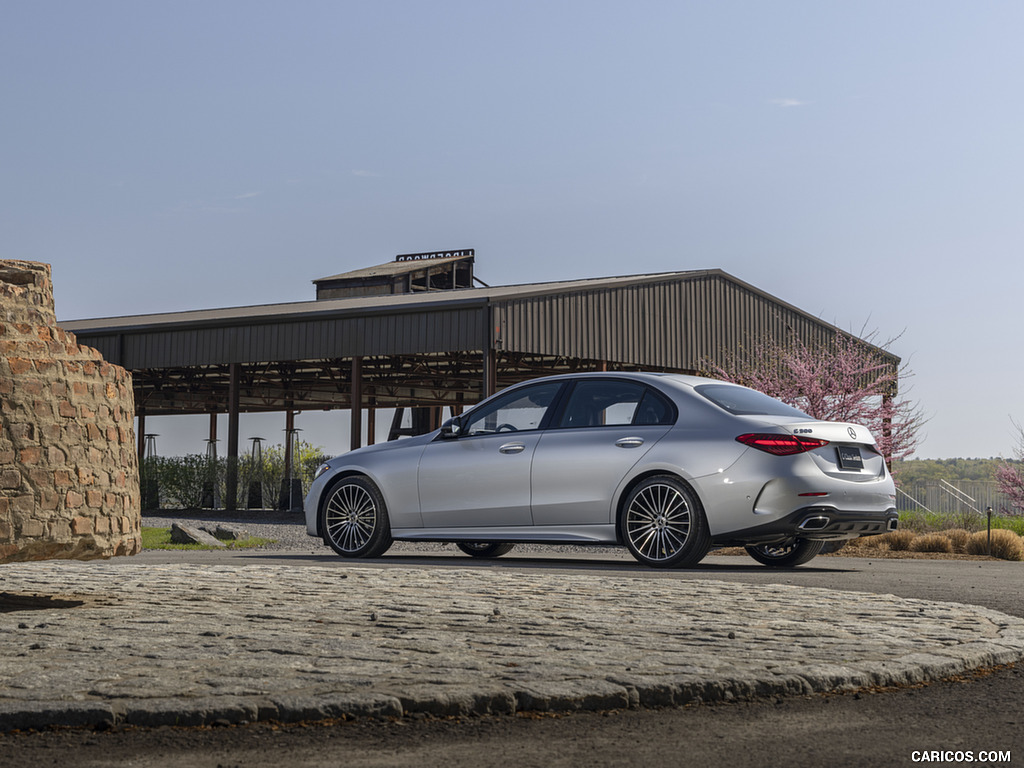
point(435, 255)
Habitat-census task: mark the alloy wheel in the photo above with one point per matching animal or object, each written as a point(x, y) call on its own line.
point(350, 517)
point(658, 521)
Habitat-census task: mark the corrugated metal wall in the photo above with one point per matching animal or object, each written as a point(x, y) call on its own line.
point(437, 330)
point(678, 323)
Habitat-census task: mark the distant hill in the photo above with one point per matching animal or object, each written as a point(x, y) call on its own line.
point(916, 471)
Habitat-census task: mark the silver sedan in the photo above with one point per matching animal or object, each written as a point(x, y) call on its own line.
point(666, 465)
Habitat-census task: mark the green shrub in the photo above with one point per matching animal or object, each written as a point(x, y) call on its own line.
point(922, 521)
point(194, 481)
point(1015, 524)
point(179, 480)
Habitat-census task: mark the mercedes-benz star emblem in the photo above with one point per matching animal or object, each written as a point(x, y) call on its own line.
point(852, 432)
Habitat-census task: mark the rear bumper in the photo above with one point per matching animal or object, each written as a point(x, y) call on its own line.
point(818, 522)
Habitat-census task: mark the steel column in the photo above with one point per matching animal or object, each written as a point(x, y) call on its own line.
point(234, 391)
point(357, 403)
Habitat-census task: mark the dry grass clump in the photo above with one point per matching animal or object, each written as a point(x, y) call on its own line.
point(897, 541)
point(931, 542)
point(958, 537)
point(868, 542)
point(1006, 545)
point(954, 542)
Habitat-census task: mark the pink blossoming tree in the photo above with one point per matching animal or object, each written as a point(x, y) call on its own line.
point(1010, 475)
point(838, 380)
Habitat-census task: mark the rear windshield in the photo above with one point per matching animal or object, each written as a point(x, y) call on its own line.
point(746, 402)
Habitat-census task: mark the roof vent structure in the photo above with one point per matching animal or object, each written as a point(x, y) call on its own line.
point(408, 273)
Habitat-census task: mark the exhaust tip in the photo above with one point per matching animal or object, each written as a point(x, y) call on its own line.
point(892, 524)
point(814, 523)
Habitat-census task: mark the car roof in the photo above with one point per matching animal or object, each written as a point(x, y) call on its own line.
point(649, 376)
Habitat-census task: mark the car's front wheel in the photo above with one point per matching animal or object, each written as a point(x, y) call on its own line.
point(785, 555)
point(484, 548)
point(354, 518)
point(663, 525)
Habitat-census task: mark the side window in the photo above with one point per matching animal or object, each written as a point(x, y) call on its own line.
point(654, 409)
point(520, 410)
point(608, 403)
point(602, 403)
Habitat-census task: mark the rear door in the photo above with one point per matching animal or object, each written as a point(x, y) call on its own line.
point(605, 429)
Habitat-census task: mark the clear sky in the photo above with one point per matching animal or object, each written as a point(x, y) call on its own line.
point(863, 161)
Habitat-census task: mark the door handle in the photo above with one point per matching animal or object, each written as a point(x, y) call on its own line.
point(512, 448)
point(630, 442)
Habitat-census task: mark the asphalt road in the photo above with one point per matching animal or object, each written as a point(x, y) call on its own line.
point(959, 721)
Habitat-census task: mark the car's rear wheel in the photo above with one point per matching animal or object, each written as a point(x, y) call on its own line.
point(663, 525)
point(354, 518)
point(484, 548)
point(789, 555)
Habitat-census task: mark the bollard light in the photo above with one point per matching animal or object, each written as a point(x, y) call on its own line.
point(988, 511)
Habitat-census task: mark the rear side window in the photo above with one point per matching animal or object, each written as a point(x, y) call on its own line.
point(654, 409)
point(613, 402)
point(746, 402)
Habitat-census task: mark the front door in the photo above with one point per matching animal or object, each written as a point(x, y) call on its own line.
point(482, 477)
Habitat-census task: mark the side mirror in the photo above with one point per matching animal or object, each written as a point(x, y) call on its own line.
point(451, 429)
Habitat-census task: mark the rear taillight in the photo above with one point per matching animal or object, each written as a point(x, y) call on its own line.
point(781, 445)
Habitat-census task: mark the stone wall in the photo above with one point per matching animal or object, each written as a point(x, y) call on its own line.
point(69, 480)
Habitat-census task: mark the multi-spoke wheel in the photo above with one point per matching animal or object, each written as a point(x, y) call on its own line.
point(354, 519)
point(663, 525)
point(785, 555)
point(484, 548)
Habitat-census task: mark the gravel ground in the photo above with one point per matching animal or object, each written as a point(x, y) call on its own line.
point(288, 532)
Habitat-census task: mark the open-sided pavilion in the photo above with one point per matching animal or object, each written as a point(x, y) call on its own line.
point(418, 333)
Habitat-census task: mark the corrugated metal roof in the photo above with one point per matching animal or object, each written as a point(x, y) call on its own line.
point(363, 304)
point(393, 302)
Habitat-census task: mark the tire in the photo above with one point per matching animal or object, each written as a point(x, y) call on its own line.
point(354, 518)
point(484, 548)
point(662, 524)
point(785, 555)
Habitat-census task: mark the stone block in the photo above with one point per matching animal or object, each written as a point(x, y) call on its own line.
point(81, 525)
point(188, 534)
point(19, 365)
point(31, 529)
point(30, 455)
point(10, 479)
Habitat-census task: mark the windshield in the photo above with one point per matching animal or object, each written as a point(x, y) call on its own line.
point(746, 402)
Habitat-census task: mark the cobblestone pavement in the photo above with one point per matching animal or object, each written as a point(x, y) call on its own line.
point(103, 642)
